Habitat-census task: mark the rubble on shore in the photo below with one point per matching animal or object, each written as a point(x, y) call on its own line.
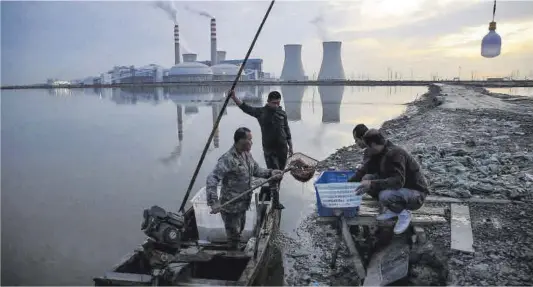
point(470, 143)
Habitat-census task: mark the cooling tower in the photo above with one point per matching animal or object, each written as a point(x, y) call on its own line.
point(292, 66)
point(221, 56)
point(189, 57)
point(331, 98)
point(292, 100)
point(176, 45)
point(331, 68)
point(213, 42)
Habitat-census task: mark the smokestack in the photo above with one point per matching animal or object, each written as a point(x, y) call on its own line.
point(331, 68)
point(221, 56)
point(213, 42)
point(189, 57)
point(176, 44)
point(292, 66)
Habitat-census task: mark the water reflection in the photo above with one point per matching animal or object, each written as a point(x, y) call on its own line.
point(515, 91)
point(292, 99)
point(59, 158)
point(331, 98)
point(175, 154)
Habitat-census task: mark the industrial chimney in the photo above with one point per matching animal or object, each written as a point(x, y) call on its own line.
point(176, 44)
point(213, 42)
point(292, 66)
point(221, 56)
point(331, 68)
point(189, 57)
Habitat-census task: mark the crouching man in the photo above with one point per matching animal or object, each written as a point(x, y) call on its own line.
point(235, 169)
point(399, 183)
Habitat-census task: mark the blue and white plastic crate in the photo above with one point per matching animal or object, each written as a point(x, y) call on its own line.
point(334, 192)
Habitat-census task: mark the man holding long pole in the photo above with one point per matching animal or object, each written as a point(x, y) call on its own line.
point(276, 136)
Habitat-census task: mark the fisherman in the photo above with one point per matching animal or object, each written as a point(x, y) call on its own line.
point(369, 168)
point(276, 136)
point(400, 184)
point(235, 169)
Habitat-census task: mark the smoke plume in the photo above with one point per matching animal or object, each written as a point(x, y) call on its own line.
point(318, 21)
point(168, 7)
point(201, 13)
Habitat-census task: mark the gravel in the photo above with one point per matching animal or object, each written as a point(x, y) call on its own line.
point(483, 150)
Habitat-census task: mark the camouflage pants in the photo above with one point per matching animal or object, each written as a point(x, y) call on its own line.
point(234, 225)
point(276, 159)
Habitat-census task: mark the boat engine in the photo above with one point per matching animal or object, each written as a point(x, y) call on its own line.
point(165, 228)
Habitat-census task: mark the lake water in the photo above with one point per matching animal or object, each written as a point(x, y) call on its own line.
point(79, 167)
point(516, 91)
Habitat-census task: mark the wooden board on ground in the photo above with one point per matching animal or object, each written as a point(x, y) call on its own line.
point(445, 199)
point(356, 259)
point(417, 219)
point(389, 264)
point(372, 210)
point(461, 229)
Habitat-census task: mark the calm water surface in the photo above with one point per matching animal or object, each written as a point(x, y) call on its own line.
point(517, 91)
point(79, 167)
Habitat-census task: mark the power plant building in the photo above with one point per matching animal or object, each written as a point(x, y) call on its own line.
point(189, 70)
point(225, 72)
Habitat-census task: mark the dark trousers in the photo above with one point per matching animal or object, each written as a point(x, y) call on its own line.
point(275, 158)
point(234, 225)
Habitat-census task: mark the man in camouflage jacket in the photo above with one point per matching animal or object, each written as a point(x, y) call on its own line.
point(235, 169)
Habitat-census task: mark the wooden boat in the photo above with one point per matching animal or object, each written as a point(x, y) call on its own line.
point(190, 262)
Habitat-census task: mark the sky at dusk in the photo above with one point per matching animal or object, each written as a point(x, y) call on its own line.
point(75, 39)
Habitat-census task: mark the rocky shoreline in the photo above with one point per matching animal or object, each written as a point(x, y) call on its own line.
point(470, 143)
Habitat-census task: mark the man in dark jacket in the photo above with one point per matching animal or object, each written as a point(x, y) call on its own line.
point(369, 168)
point(400, 184)
point(275, 134)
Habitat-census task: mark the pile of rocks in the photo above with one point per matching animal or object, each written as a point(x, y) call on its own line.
point(486, 153)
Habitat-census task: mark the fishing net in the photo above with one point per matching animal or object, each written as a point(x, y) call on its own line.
point(302, 167)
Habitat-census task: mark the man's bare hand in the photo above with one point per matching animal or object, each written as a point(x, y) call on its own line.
point(215, 208)
point(277, 174)
point(363, 187)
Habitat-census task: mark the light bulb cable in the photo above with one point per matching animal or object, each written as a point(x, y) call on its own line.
point(494, 11)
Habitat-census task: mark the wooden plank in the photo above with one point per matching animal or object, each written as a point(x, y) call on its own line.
point(207, 282)
point(371, 220)
point(388, 265)
point(356, 259)
point(461, 234)
point(226, 253)
point(445, 199)
point(365, 210)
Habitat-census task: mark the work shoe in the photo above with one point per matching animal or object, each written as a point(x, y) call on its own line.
point(404, 219)
point(387, 215)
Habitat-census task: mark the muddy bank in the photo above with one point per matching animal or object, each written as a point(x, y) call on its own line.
point(470, 143)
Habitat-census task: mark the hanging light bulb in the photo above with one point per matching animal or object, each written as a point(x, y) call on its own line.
point(492, 42)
